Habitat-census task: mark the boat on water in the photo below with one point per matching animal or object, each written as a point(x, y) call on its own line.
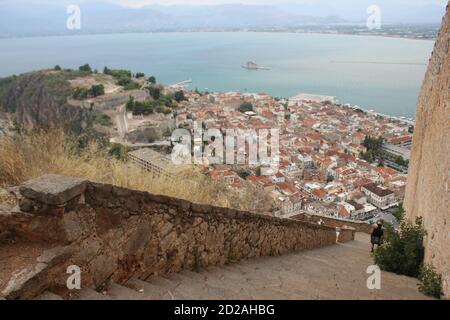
point(253, 66)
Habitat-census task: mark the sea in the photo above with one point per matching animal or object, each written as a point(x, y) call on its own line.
point(375, 73)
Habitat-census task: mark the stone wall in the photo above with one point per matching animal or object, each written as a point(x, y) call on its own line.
point(336, 223)
point(428, 188)
point(117, 233)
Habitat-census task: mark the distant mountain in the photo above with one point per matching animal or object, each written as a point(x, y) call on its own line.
point(39, 17)
point(31, 19)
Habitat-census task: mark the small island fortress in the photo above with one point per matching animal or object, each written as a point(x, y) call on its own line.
point(253, 66)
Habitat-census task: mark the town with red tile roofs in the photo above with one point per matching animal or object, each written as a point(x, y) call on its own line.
point(329, 161)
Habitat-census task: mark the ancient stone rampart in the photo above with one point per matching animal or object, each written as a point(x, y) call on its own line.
point(428, 188)
point(116, 233)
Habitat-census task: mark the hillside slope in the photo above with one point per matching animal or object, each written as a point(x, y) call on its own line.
point(39, 100)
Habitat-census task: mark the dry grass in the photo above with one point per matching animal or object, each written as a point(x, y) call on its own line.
point(27, 157)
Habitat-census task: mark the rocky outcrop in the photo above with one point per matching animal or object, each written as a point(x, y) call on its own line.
point(39, 100)
point(116, 233)
point(428, 188)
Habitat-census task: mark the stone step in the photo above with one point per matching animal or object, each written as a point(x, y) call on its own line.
point(333, 272)
point(230, 288)
point(167, 286)
point(118, 292)
point(149, 291)
point(262, 288)
point(193, 288)
point(90, 294)
point(47, 295)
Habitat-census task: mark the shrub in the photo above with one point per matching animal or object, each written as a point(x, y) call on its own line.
point(80, 93)
point(154, 92)
point(97, 90)
point(152, 79)
point(86, 68)
point(132, 86)
point(84, 93)
point(402, 252)
point(57, 68)
point(246, 106)
point(140, 75)
point(399, 213)
point(430, 282)
point(102, 119)
point(179, 96)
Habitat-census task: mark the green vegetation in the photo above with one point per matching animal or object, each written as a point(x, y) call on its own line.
point(147, 107)
point(399, 213)
point(402, 252)
point(123, 77)
point(102, 119)
point(179, 96)
point(373, 146)
point(55, 84)
point(139, 75)
point(246, 106)
point(84, 93)
point(57, 68)
point(155, 92)
point(131, 86)
point(118, 151)
point(85, 68)
point(401, 161)
point(430, 282)
point(243, 174)
point(152, 80)
point(117, 73)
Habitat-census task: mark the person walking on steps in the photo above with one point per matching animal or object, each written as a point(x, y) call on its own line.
point(376, 235)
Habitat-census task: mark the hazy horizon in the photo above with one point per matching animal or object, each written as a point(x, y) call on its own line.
point(46, 17)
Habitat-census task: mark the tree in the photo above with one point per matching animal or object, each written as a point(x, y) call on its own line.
point(430, 282)
point(400, 161)
point(80, 93)
point(402, 252)
point(374, 148)
point(246, 106)
point(399, 213)
point(140, 75)
point(57, 68)
point(243, 174)
point(152, 80)
point(179, 96)
point(155, 92)
point(97, 90)
point(86, 67)
point(118, 151)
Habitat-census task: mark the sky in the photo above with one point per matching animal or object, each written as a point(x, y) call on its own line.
point(393, 11)
point(344, 3)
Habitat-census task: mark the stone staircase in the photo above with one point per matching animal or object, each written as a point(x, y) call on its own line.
point(333, 272)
